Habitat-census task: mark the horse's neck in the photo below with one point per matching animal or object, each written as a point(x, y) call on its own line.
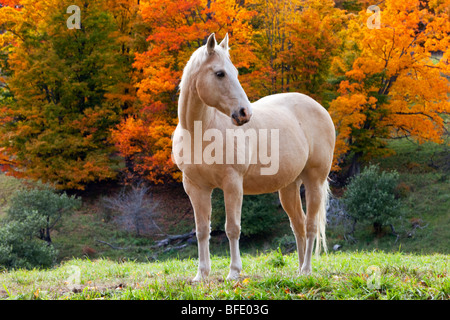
point(191, 109)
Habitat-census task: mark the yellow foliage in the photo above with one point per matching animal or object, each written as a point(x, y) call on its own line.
point(394, 86)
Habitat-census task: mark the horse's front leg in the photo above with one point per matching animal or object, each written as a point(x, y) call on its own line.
point(233, 194)
point(201, 202)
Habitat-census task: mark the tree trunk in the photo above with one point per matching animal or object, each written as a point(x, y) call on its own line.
point(355, 167)
point(377, 228)
point(47, 232)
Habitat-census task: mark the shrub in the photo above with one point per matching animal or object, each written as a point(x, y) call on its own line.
point(46, 202)
point(259, 213)
point(25, 240)
point(370, 197)
point(20, 247)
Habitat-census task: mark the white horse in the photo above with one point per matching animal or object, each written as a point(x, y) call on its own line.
point(302, 143)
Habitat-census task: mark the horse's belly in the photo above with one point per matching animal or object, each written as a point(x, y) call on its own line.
point(266, 179)
point(260, 185)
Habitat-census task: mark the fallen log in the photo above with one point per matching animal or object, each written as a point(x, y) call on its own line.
point(174, 238)
point(171, 239)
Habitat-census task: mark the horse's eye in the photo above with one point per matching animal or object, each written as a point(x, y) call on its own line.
point(220, 74)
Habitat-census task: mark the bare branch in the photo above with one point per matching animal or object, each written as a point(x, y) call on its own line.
point(112, 246)
point(394, 233)
point(135, 206)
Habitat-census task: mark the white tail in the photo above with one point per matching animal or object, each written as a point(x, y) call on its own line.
point(321, 240)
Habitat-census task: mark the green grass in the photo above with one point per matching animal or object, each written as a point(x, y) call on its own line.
point(360, 275)
point(412, 268)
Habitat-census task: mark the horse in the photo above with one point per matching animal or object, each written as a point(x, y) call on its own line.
point(210, 94)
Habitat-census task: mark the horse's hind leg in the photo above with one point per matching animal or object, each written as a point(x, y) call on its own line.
point(316, 187)
point(291, 201)
point(201, 202)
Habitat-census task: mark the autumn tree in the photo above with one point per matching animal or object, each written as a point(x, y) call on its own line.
point(130, 37)
point(178, 28)
point(64, 91)
point(313, 42)
point(70, 99)
point(277, 46)
point(295, 43)
point(395, 86)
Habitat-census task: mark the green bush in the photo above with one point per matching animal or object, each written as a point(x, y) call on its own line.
point(20, 247)
point(370, 197)
point(25, 240)
point(259, 213)
point(46, 202)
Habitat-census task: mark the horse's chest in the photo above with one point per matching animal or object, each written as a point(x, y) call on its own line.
point(212, 175)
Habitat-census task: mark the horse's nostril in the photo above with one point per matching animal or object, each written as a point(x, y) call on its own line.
point(242, 112)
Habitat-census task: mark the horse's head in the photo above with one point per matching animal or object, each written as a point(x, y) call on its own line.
point(218, 85)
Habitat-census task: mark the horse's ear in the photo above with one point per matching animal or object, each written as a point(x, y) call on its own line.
point(211, 43)
point(224, 43)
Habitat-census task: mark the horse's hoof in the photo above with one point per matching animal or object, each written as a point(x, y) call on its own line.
point(197, 279)
point(200, 277)
point(305, 271)
point(233, 275)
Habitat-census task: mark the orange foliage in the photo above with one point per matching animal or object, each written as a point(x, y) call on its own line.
point(147, 148)
point(64, 115)
point(10, 3)
point(395, 87)
point(178, 27)
point(294, 46)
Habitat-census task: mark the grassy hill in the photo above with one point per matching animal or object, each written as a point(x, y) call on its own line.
point(359, 275)
point(115, 264)
point(423, 222)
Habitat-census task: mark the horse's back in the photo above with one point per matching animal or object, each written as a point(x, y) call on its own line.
point(313, 119)
point(302, 106)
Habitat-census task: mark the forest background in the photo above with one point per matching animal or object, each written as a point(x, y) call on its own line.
point(80, 106)
point(89, 110)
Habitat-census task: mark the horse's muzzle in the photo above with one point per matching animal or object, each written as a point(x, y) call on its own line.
point(241, 117)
